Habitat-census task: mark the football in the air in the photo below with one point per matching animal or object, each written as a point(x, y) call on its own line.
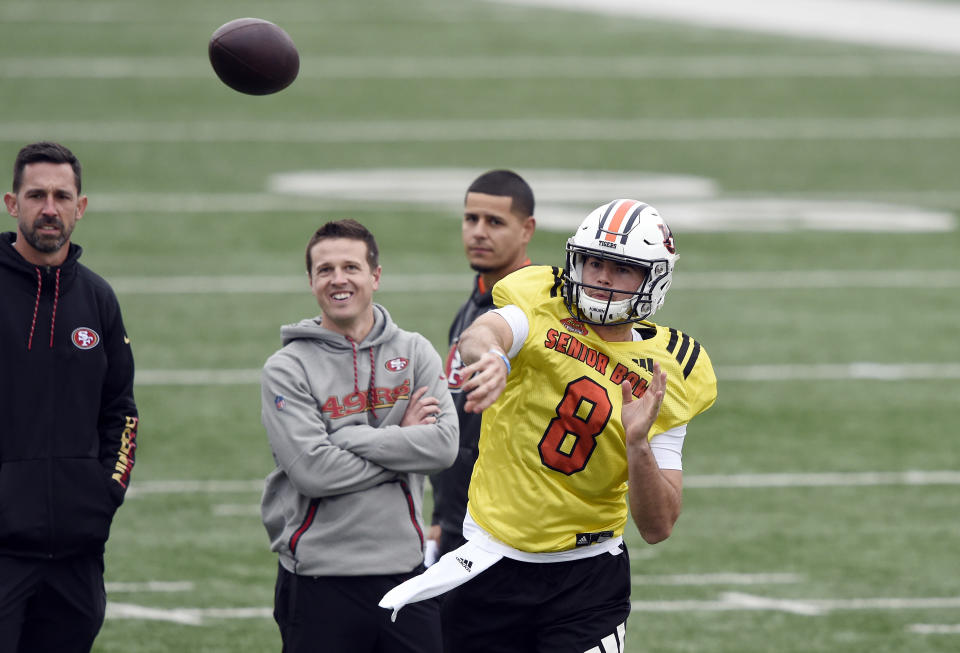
point(254, 56)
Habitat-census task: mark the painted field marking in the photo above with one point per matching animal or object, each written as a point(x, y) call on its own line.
point(735, 601)
point(150, 586)
point(693, 203)
point(139, 489)
point(839, 372)
point(184, 616)
point(427, 283)
point(142, 488)
point(935, 629)
point(554, 200)
point(837, 479)
point(273, 285)
point(741, 373)
point(721, 578)
point(728, 602)
point(928, 26)
point(816, 279)
point(504, 67)
point(468, 131)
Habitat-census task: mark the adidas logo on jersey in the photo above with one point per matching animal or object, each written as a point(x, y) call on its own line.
point(586, 539)
point(466, 564)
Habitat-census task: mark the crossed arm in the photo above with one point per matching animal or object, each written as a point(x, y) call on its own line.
point(319, 463)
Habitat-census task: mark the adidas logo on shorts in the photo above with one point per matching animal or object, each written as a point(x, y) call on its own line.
point(466, 564)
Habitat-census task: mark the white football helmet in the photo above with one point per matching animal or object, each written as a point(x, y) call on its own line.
point(624, 231)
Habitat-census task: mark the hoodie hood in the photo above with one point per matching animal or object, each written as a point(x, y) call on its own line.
point(40, 279)
point(383, 329)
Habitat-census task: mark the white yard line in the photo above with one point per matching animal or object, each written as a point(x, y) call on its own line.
point(242, 284)
point(467, 131)
point(140, 489)
point(188, 486)
point(927, 26)
point(735, 601)
point(586, 193)
point(426, 283)
point(746, 373)
point(721, 578)
point(718, 67)
point(728, 602)
point(826, 479)
point(184, 616)
point(935, 629)
point(864, 371)
point(150, 586)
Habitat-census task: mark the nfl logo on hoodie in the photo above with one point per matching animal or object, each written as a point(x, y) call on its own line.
point(279, 402)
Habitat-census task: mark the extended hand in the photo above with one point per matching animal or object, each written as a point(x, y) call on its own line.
point(486, 379)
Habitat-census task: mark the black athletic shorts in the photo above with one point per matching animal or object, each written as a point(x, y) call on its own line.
point(339, 614)
point(559, 607)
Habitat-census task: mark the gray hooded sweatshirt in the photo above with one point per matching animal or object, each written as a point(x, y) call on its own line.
point(346, 496)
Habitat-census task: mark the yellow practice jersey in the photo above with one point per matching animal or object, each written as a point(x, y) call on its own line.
point(552, 471)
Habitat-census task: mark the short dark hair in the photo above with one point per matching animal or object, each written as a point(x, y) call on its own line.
point(506, 183)
point(347, 228)
point(43, 152)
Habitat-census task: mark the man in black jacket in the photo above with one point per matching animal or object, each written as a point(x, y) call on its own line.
point(69, 419)
point(497, 225)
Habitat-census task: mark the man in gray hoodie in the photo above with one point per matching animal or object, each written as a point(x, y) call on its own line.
point(357, 412)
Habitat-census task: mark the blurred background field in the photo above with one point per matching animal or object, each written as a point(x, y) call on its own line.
point(811, 186)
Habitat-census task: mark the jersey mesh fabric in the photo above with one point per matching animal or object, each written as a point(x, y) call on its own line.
point(552, 470)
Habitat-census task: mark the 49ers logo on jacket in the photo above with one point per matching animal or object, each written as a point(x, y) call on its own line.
point(396, 364)
point(336, 407)
point(85, 338)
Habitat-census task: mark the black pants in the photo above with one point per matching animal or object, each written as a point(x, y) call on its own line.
point(449, 541)
point(579, 606)
point(54, 606)
point(339, 614)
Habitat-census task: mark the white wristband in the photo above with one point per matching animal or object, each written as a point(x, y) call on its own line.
point(503, 357)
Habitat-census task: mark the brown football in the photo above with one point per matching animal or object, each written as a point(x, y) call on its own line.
point(254, 56)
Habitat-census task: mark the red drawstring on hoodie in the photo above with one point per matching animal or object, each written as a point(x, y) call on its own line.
point(36, 308)
point(56, 298)
point(371, 392)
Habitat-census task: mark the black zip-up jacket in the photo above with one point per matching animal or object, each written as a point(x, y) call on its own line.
point(68, 421)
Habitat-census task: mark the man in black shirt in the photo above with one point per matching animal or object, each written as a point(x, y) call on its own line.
point(497, 225)
point(70, 421)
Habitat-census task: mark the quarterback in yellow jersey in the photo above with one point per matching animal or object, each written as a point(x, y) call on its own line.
point(585, 406)
point(552, 473)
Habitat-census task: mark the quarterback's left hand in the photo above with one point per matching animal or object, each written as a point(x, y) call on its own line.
point(638, 415)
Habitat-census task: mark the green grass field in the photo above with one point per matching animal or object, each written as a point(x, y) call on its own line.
point(835, 343)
